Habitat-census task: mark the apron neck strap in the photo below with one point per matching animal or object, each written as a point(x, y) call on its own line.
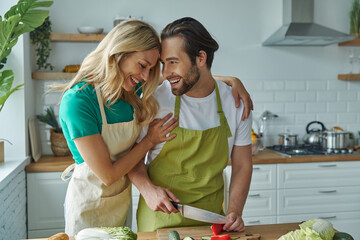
point(223, 121)
point(101, 105)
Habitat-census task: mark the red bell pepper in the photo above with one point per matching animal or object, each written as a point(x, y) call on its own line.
point(217, 228)
point(221, 237)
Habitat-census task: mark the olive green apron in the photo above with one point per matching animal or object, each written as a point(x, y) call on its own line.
point(191, 166)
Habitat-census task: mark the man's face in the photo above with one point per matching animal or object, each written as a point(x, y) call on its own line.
point(177, 67)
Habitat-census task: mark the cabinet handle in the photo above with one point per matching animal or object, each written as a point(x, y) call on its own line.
point(256, 168)
point(330, 217)
point(257, 221)
point(328, 165)
point(255, 195)
point(328, 191)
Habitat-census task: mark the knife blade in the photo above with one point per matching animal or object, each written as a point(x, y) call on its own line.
point(200, 214)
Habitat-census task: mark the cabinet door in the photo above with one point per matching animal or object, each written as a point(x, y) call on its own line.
point(344, 222)
point(260, 203)
point(46, 196)
point(319, 174)
point(321, 200)
point(263, 177)
point(259, 220)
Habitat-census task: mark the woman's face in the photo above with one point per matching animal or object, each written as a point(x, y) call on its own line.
point(136, 67)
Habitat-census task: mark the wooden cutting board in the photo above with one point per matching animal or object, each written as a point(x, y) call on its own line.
point(203, 231)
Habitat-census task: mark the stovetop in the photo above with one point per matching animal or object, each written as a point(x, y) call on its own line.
point(308, 150)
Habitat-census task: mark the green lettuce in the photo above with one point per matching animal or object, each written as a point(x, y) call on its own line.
point(315, 229)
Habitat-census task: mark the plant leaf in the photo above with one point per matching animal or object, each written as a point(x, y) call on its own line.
point(6, 81)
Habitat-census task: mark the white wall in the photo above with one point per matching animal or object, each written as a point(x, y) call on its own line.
point(297, 83)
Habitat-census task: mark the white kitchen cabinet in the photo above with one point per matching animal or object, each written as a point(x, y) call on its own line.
point(259, 220)
point(45, 202)
point(46, 195)
point(329, 190)
point(135, 200)
point(296, 192)
point(319, 174)
point(320, 200)
point(260, 206)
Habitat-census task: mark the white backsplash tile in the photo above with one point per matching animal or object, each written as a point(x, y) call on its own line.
point(316, 107)
point(295, 107)
point(295, 85)
point(347, 96)
point(273, 85)
point(336, 107)
point(288, 96)
point(316, 85)
point(308, 96)
point(328, 96)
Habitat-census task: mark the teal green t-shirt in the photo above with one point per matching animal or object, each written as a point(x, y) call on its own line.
point(80, 115)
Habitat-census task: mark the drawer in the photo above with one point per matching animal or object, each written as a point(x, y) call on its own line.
point(324, 174)
point(260, 203)
point(320, 200)
point(263, 177)
point(259, 220)
point(344, 222)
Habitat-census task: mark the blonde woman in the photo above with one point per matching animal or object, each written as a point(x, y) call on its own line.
point(101, 114)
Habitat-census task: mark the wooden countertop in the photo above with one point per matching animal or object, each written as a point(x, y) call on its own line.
point(267, 232)
point(50, 164)
point(58, 164)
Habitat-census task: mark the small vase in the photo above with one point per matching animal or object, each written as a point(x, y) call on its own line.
point(58, 144)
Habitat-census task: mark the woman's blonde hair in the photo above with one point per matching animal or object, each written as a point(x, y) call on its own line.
point(101, 68)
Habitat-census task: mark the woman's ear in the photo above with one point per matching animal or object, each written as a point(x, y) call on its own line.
point(201, 59)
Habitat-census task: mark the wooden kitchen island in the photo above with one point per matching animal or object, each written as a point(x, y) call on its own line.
point(267, 232)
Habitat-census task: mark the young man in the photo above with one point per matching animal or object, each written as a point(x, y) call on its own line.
point(188, 169)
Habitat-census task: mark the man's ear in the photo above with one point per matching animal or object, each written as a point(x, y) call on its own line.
point(201, 59)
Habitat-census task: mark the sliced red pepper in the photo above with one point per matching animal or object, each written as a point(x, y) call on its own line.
point(221, 237)
point(217, 228)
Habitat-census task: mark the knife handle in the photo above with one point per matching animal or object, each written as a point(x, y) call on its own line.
point(175, 204)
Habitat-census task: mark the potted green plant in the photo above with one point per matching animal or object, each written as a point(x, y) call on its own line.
point(21, 18)
point(58, 142)
point(40, 38)
point(355, 18)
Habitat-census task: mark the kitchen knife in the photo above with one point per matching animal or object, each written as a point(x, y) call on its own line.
point(200, 214)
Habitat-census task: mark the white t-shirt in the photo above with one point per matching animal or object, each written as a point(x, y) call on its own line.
point(201, 114)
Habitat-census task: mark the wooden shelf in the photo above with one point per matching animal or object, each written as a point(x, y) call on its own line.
point(355, 42)
point(348, 77)
point(52, 75)
point(70, 37)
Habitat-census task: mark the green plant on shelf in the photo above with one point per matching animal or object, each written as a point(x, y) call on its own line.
point(355, 18)
point(50, 119)
point(40, 38)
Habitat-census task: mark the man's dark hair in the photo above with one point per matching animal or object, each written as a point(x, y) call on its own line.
point(195, 37)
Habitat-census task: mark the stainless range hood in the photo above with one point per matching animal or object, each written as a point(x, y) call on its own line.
point(299, 29)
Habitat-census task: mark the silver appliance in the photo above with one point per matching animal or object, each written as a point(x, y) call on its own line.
point(309, 150)
point(299, 29)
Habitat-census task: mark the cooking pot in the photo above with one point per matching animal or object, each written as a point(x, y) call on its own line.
point(336, 139)
point(288, 139)
point(313, 136)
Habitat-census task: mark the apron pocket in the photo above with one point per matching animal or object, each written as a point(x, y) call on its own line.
point(113, 209)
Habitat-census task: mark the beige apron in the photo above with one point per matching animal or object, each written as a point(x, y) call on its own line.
point(89, 202)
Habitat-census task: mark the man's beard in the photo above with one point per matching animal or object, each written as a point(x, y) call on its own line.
point(190, 79)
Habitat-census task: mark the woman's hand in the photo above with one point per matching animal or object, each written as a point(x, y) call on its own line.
point(158, 130)
point(238, 92)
